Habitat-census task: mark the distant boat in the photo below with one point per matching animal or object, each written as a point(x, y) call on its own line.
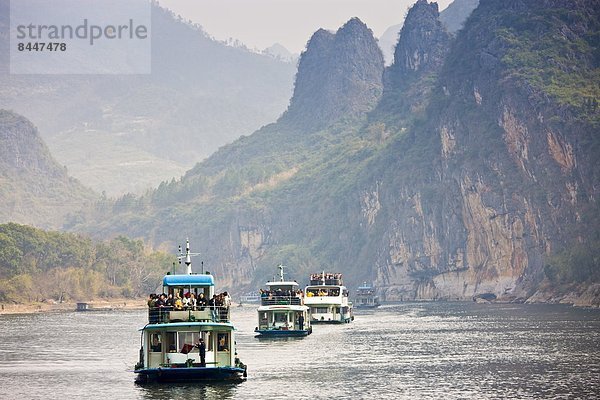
point(249, 298)
point(282, 311)
point(171, 349)
point(365, 297)
point(327, 298)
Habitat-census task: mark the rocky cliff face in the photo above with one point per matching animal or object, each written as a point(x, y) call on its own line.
point(422, 46)
point(506, 186)
point(420, 52)
point(34, 189)
point(339, 75)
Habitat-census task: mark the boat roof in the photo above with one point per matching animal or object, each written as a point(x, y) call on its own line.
point(282, 308)
point(324, 286)
point(282, 283)
point(212, 325)
point(188, 280)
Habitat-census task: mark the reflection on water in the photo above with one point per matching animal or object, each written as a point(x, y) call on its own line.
point(399, 351)
point(187, 391)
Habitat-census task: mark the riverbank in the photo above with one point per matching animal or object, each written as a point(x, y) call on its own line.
point(100, 304)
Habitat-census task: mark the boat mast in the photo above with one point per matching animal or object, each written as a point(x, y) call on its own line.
point(281, 267)
point(188, 257)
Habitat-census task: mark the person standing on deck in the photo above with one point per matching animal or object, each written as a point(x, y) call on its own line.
point(202, 351)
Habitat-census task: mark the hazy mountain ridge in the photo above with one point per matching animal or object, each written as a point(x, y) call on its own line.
point(339, 75)
point(201, 94)
point(452, 17)
point(468, 178)
point(34, 188)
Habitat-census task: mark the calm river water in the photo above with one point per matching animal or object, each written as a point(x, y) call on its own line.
point(399, 351)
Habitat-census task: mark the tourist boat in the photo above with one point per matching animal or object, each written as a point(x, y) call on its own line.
point(365, 297)
point(170, 342)
point(249, 298)
point(327, 298)
point(282, 311)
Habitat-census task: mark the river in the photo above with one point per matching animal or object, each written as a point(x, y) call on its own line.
point(399, 351)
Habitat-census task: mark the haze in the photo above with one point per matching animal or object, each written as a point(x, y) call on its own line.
point(261, 23)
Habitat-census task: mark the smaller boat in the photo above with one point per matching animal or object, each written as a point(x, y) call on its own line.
point(365, 297)
point(249, 298)
point(327, 298)
point(282, 311)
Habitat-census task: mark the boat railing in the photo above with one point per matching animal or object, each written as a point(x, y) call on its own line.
point(164, 315)
point(328, 282)
point(281, 300)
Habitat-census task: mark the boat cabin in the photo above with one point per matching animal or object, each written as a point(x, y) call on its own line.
point(171, 345)
point(172, 335)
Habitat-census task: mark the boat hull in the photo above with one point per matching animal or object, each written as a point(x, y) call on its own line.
point(282, 333)
point(192, 374)
point(330, 321)
point(367, 305)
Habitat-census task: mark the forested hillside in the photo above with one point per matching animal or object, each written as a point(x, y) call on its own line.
point(470, 166)
point(37, 265)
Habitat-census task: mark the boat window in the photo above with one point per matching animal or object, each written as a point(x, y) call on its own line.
point(280, 317)
point(333, 292)
point(155, 343)
point(320, 310)
point(222, 342)
point(187, 341)
point(208, 340)
point(171, 342)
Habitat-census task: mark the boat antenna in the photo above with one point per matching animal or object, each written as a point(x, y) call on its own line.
point(187, 257)
point(281, 267)
point(323, 278)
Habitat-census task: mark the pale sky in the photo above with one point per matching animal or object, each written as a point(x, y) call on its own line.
point(261, 23)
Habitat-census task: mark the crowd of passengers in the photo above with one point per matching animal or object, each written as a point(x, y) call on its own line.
point(188, 301)
point(278, 293)
point(322, 292)
point(328, 277)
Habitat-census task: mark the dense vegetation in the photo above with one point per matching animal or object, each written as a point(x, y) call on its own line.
point(579, 263)
point(38, 265)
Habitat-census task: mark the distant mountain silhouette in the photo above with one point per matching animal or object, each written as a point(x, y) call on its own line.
point(201, 94)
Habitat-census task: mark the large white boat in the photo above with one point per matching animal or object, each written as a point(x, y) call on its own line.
point(366, 297)
point(282, 311)
point(196, 343)
point(327, 298)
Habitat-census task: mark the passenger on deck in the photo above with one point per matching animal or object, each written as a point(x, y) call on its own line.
point(192, 302)
point(170, 302)
point(178, 303)
point(201, 303)
point(213, 307)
